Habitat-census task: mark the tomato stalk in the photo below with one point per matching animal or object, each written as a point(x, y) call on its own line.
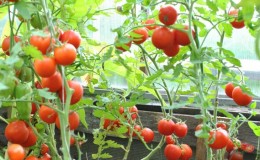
point(258, 149)
point(156, 149)
point(129, 143)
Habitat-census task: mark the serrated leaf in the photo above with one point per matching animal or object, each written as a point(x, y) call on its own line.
point(255, 128)
point(105, 155)
point(102, 113)
point(212, 6)
point(33, 52)
point(113, 144)
point(45, 94)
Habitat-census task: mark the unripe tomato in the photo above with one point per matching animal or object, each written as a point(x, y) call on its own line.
point(142, 35)
point(168, 15)
point(38, 21)
point(241, 98)
point(162, 37)
point(53, 83)
point(147, 134)
point(238, 24)
point(71, 37)
point(65, 54)
point(6, 44)
point(26, 74)
point(166, 127)
point(45, 67)
point(15, 152)
point(229, 89)
point(17, 132)
point(77, 92)
point(9, 81)
point(47, 114)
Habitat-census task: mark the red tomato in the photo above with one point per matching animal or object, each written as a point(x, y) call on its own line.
point(137, 128)
point(219, 137)
point(53, 83)
point(44, 148)
point(168, 15)
point(236, 155)
point(162, 37)
point(134, 112)
point(37, 85)
point(198, 127)
point(45, 67)
point(6, 44)
point(77, 92)
point(41, 43)
point(147, 134)
point(172, 152)
point(246, 147)
point(229, 89)
point(47, 114)
point(235, 23)
point(230, 146)
point(46, 156)
point(121, 110)
point(34, 108)
point(31, 157)
point(65, 54)
point(172, 50)
point(31, 140)
point(186, 152)
point(150, 22)
point(72, 140)
point(166, 127)
point(15, 152)
point(241, 98)
point(71, 37)
point(123, 47)
point(17, 132)
point(169, 140)
point(110, 124)
point(180, 130)
point(222, 125)
point(182, 38)
point(73, 121)
point(142, 35)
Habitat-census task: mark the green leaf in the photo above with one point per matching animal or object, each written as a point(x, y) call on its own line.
point(255, 128)
point(226, 113)
point(113, 144)
point(92, 28)
point(105, 156)
point(33, 52)
point(45, 94)
point(234, 61)
point(82, 117)
point(102, 113)
point(228, 29)
point(25, 9)
point(253, 105)
point(212, 6)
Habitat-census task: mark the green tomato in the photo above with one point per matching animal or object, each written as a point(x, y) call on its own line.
point(7, 84)
point(38, 21)
point(25, 74)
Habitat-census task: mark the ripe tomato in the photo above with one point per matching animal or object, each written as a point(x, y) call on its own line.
point(17, 132)
point(65, 54)
point(241, 98)
point(186, 152)
point(168, 15)
point(219, 137)
point(162, 37)
point(121, 110)
point(41, 43)
point(137, 128)
point(230, 146)
point(73, 121)
point(246, 147)
point(142, 35)
point(222, 125)
point(45, 67)
point(180, 130)
point(71, 37)
point(15, 152)
point(166, 127)
point(46, 156)
point(72, 140)
point(47, 114)
point(134, 112)
point(111, 124)
point(236, 155)
point(147, 134)
point(236, 23)
point(198, 127)
point(38, 85)
point(182, 38)
point(44, 148)
point(169, 140)
point(34, 108)
point(229, 89)
point(77, 92)
point(31, 140)
point(172, 152)
point(172, 50)
point(31, 157)
point(123, 46)
point(53, 83)
point(150, 22)
point(6, 44)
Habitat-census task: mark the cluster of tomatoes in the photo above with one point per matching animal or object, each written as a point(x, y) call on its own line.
point(236, 93)
point(163, 37)
point(219, 139)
